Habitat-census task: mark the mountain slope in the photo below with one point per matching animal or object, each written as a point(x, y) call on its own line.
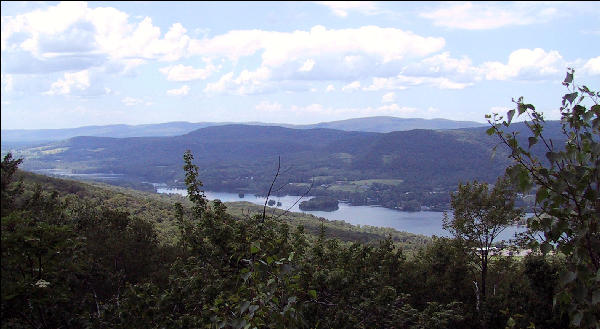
point(233, 152)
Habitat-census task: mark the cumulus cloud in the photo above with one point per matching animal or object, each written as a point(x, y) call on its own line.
point(307, 66)
point(181, 72)
point(484, 16)
point(266, 106)
point(526, 64)
point(184, 90)
point(351, 86)
point(443, 65)
point(279, 48)
point(330, 88)
point(401, 82)
point(592, 66)
point(69, 82)
point(72, 30)
point(388, 98)
point(247, 82)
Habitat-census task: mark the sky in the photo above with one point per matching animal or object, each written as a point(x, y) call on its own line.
point(72, 64)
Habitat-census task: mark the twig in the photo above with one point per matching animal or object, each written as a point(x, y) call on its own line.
point(270, 188)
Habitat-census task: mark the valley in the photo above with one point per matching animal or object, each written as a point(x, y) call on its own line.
point(405, 170)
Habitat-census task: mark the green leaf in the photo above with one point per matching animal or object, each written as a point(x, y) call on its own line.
point(568, 78)
point(255, 247)
point(491, 131)
point(511, 323)
point(313, 293)
point(510, 114)
point(541, 194)
point(570, 97)
point(532, 141)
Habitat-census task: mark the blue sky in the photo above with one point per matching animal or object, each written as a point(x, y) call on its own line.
point(72, 64)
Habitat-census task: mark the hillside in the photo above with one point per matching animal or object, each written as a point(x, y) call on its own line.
point(244, 158)
point(160, 211)
point(89, 255)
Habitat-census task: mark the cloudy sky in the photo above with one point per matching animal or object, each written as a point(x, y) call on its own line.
point(72, 64)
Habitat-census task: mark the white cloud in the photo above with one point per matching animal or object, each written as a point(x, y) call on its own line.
point(179, 92)
point(131, 101)
point(592, 66)
point(400, 82)
point(526, 64)
point(483, 16)
point(351, 86)
point(247, 82)
point(279, 48)
point(69, 82)
point(388, 98)
point(442, 65)
point(385, 84)
point(73, 37)
point(181, 72)
point(307, 66)
point(341, 8)
point(330, 88)
point(72, 30)
point(266, 106)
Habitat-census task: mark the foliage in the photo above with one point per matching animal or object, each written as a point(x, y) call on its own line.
point(82, 256)
point(567, 183)
point(479, 216)
point(10, 188)
point(320, 203)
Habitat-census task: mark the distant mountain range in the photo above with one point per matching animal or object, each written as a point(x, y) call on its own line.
point(364, 167)
point(231, 152)
point(380, 124)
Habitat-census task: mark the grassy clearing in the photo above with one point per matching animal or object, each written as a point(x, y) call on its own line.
point(362, 185)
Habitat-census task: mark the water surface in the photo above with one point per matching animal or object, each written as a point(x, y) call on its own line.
point(424, 222)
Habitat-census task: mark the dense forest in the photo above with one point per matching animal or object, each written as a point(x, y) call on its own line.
point(73, 255)
point(76, 255)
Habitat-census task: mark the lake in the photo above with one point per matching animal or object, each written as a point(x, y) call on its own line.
point(424, 222)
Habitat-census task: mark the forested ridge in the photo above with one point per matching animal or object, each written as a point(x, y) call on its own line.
point(242, 158)
point(80, 255)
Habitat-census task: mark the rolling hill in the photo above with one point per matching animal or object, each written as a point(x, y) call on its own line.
point(20, 137)
point(244, 158)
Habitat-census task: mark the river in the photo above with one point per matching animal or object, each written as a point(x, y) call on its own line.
point(424, 222)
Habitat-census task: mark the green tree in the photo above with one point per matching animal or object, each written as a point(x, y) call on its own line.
point(567, 196)
point(9, 188)
point(480, 215)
